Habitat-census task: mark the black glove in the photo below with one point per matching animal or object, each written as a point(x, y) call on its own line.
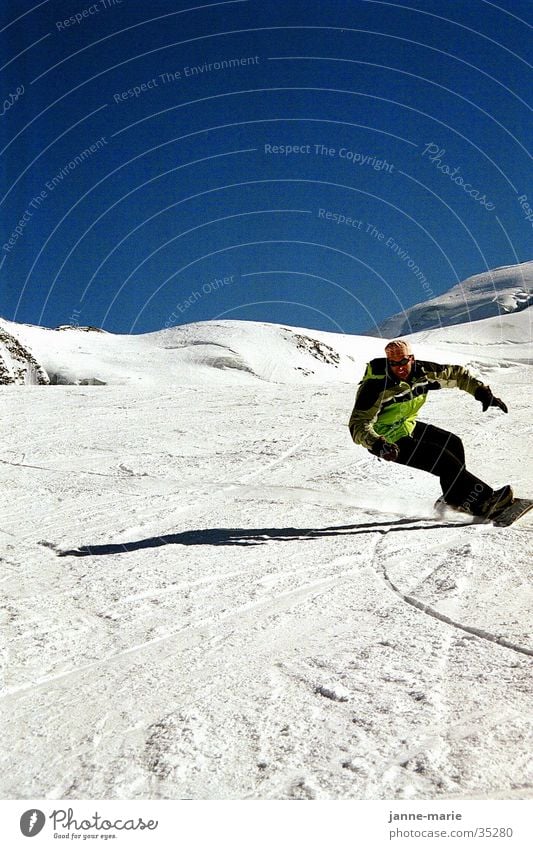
point(385, 450)
point(484, 394)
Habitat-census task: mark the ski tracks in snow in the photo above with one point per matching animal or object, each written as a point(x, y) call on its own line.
point(316, 651)
point(381, 564)
point(436, 751)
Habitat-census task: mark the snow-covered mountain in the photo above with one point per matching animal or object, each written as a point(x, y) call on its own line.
point(213, 351)
point(242, 352)
point(493, 293)
point(17, 363)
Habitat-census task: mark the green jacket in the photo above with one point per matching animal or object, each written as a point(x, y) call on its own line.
point(386, 406)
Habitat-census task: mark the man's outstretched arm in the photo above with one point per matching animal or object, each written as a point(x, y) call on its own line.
point(451, 376)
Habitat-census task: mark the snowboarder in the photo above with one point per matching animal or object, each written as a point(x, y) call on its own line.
point(383, 420)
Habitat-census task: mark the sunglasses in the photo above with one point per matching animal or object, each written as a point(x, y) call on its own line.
point(402, 362)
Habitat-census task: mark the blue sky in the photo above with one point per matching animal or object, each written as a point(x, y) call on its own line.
point(323, 164)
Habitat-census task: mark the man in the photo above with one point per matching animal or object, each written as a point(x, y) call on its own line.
point(383, 420)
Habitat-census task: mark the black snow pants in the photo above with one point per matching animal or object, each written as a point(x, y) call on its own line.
point(442, 453)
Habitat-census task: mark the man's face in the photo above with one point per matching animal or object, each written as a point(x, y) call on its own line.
point(401, 367)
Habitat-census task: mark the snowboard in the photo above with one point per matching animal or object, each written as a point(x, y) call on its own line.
point(501, 518)
point(510, 514)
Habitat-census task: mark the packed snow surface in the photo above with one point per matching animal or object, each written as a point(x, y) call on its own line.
point(211, 593)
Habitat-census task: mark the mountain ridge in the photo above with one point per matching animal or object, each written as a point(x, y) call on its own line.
point(234, 351)
point(497, 292)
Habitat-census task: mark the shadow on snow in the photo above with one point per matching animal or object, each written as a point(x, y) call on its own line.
point(250, 536)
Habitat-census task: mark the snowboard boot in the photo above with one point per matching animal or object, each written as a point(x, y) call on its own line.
point(441, 504)
point(498, 500)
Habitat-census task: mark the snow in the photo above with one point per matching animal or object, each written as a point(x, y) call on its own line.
point(211, 593)
point(216, 352)
point(491, 294)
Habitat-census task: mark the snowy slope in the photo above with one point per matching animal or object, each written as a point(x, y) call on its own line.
point(17, 363)
point(493, 293)
point(243, 352)
point(489, 344)
point(218, 352)
point(210, 592)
